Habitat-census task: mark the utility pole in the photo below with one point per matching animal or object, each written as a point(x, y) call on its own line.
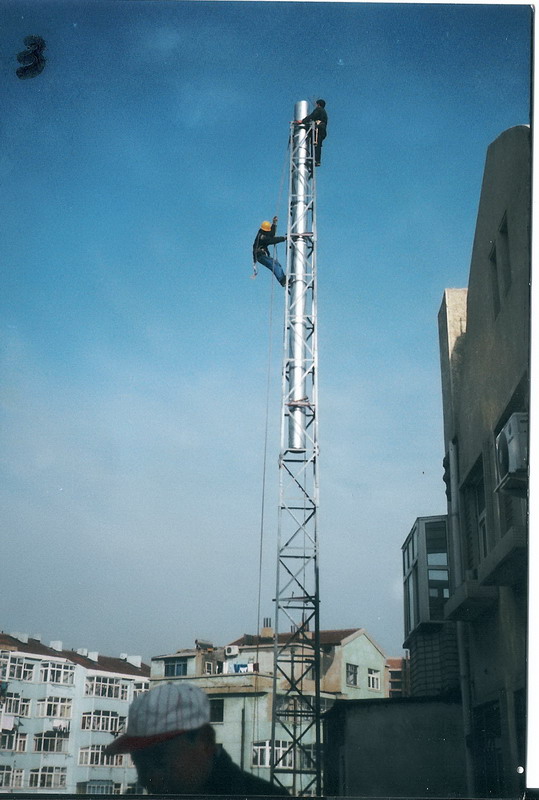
point(296, 674)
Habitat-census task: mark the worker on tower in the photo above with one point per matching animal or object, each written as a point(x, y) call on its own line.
point(320, 118)
point(264, 238)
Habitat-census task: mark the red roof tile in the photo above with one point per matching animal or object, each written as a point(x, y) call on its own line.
point(329, 637)
point(105, 663)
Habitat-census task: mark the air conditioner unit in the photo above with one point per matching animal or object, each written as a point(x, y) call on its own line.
point(232, 650)
point(512, 455)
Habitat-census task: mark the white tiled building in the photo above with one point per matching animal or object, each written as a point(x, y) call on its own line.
point(58, 709)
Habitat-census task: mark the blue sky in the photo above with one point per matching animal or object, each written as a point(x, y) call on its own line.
point(135, 171)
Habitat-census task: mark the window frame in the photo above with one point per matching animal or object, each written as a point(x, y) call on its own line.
point(172, 666)
point(51, 742)
point(93, 755)
point(57, 672)
point(61, 706)
point(261, 754)
point(217, 709)
point(17, 705)
point(352, 674)
point(14, 776)
point(114, 688)
point(13, 741)
point(48, 778)
point(101, 720)
point(374, 682)
point(16, 668)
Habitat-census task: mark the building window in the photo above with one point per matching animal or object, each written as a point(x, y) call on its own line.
point(436, 536)
point(395, 683)
point(18, 669)
point(481, 516)
point(57, 672)
point(134, 788)
point(17, 778)
point(411, 601)
point(109, 721)
point(100, 686)
point(261, 754)
point(5, 776)
point(307, 757)
point(217, 709)
point(14, 741)
point(475, 519)
point(140, 687)
point(284, 756)
point(10, 777)
point(326, 703)
point(16, 705)
point(494, 281)
point(351, 674)
point(175, 668)
point(296, 709)
point(503, 254)
point(373, 679)
point(438, 592)
point(48, 778)
point(93, 756)
point(59, 707)
point(208, 668)
point(99, 787)
point(409, 553)
point(50, 742)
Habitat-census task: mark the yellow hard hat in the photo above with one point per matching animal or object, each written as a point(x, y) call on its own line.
point(266, 226)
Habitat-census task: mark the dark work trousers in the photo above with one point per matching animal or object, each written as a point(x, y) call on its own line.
point(319, 136)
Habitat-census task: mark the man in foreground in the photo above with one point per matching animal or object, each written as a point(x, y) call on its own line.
point(173, 746)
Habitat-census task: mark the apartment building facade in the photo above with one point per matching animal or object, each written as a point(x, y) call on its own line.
point(398, 677)
point(484, 353)
point(58, 709)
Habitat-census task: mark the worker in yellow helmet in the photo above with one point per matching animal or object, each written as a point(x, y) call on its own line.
point(264, 238)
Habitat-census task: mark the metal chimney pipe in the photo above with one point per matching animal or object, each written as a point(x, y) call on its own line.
point(300, 175)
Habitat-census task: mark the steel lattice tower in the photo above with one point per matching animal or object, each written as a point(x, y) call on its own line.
point(296, 681)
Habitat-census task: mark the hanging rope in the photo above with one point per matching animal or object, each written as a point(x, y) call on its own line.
point(263, 508)
point(283, 172)
point(265, 455)
point(268, 375)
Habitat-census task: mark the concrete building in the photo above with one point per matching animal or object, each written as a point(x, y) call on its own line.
point(239, 681)
point(58, 709)
point(405, 747)
point(430, 638)
point(398, 677)
point(484, 353)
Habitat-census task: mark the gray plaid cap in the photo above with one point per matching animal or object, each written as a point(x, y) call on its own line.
point(165, 711)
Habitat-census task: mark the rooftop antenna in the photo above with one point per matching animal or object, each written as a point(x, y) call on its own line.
point(296, 674)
